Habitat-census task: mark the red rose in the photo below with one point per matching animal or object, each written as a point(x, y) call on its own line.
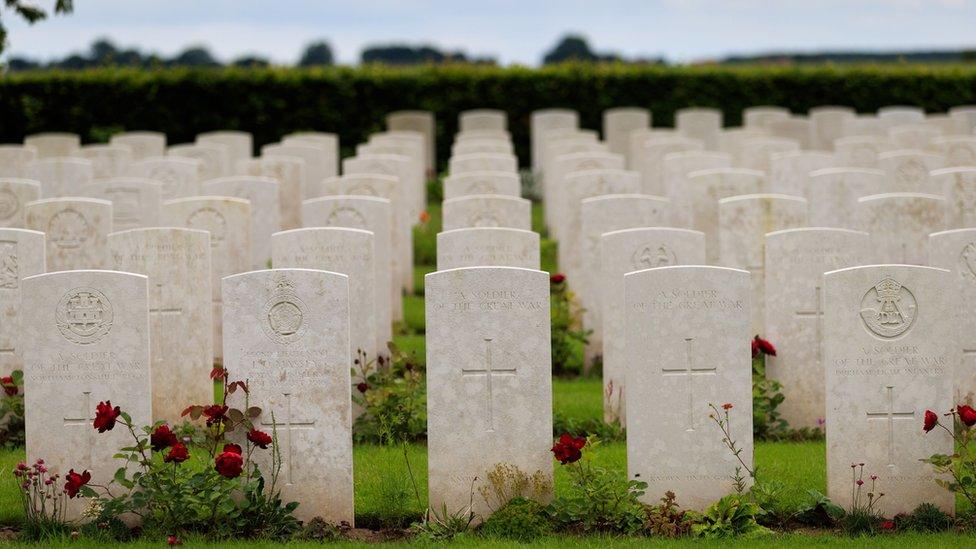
point(966, 414)
point(229, 464)
point(74, 482)
point(177, 453)
point(727, 406)
point(8, 384)
point(215, 414)
point(7, 380)
point(259, 438)
point(557, 278)
point(362, 387)
point(568, 448)
point(218, 373)
point(173, 540)
point(105, 416)
point(162, 438)
point(761, 346)
point(887, 525)
point(931, 420)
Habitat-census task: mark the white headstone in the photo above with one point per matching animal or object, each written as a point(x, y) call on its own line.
point(215, 159)
point(328, 143)
point(756, 153)
point(959, 189)
point(14, 195)
point(15, 159)
point(177, 263)
point(899, 115)
point(289, 172)
point(487, 210)
point(108, 160)
point(796, 260)
point(481, 146)
point(900, 224)
point(489, 382)
point(21, 255)
point(369, 213)
point(963, 119)
point(483, 163)
point(914, 137)
point(61, 176)
point(958, 150)
point(180, 177)
point(650, 163)
point(262, 193)
point(907, 171)
point(417, 121)
point(487, 247)
point(76, 229)
point(828, 125)
point(136, 201)
point(743, 224)
point(700, 123)
point(143, 144)
point(622, 252)
point(340, 250)
point(705, 188)
point(241, 144)
point(795, 128)
point(54, 144)
point(288, 335)
point(482, 119)
point(465, 184)
point(789, 170)
point(763, 115)
point(676, 168)
point(889, 352)
point(85, 340)
point(832, 194)
point(228, 220)
point(544, 120)
point(955, 251)
point(687, 329)
point(619, 122)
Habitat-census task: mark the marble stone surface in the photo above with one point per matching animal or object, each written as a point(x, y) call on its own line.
point(263, 194)
point(487, 247)
point(900, 224)
point(76, 228)
point(61, 176)
point(15, 193)
point(21, 255)
point(832, 194)
point(136, 201)
point(487, 210)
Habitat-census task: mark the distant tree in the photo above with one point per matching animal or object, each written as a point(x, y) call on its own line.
point(31, 14)
point(401, 54)
point(574, 47)
point(194, 56)
point(250, 61)
point(316, 54)
point(103, 52)
point(22, 64)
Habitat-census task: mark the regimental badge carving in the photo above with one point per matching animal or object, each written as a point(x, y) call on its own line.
point(967, 261)
point(344, 216)
point(362, 189)
point(9, 270)
point(170, 178)
point(9, 204)
point(209, 219)
point(888, 309)
point(484, 219)
point(961, 155)
point(911, 171)
point(650, 256)
point(284, 313)
point(84, 316)
point(68, 229)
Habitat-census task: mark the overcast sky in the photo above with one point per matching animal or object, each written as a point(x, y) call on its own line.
point(512, 31)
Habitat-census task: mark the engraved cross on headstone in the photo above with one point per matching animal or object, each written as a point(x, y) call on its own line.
point(85, 422)
point(289, 424)
point(489, 371)
point(690, 370)
point(160, 308)
point(817, 315)
point(889, 416)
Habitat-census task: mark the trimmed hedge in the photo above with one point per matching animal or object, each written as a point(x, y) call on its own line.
point(354, 101)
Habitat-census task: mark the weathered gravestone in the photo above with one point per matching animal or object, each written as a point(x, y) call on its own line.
point(487, 210)
point(796, 260)
point(108, 160)
point(289, 173)
point(326, 143)
point(796, 128)
point(417, 121)
point(228, 220)
point(827, 125)
point(756, 153)
point(958, 186)
point(317, 165)
point(483, 162)
point(860, 151)
point(564, 201)
point(54, 144)
point(908, 171)
point(15, 159)
point(482, 119)
point(60, 176)
point(963, 119)
point(21, 255)
point(705, 188)
point(142, 144)
point(239, 143)
point(375, 215)
point(177, 264)
point(76, 229)
point(832, 194)
point(789, 170)
point(743, 224)
point(650, 162)
point(619, 122)
point(466, 184)
point(215, 159)
point(262, 193)
point(687, 347)
point(914, 136)
point(700, 123)
point(955, 251)
point(15, 193)
point(287, 333)
point(958, 150)
point(85, 340)
point(899, 115)
point(488, 380)
point(479, 146)
point(761, 116)
point(889, 352)
point(339, 250)
point(622, 252)
point(545, 120)
point(676, 168)
point(900, 225)
point(180, 177)
point(487, 247)
point(136, 201)
point(600, 215)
